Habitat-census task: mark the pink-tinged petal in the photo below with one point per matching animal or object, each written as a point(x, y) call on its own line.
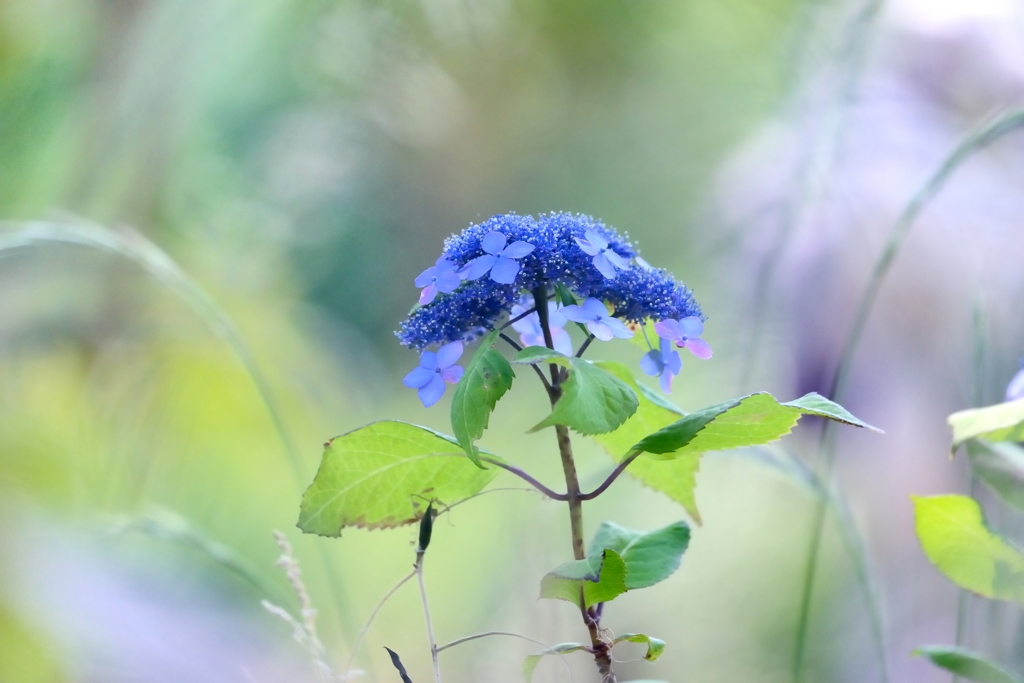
point(448, 354)
point(555, 317)
point(562, 341)
point(453, 374)
point(651, 363)
point(594, 309)
point(432, 392)
point(425, 278)
point(617, 259)
point(618, 328)
point(449, 282)
point(428, 294)
point(691, 326)
point(699, 348)
point(588, 248)
point(517, 250)
point(577, 314)
point(505, 270)
point(596, 238)
point(532, 339)
point(418, 377)
point(493, 242)
point(478, 267)
point(606, 267)
point(666, 381)
point(669, 329)
point(600, 330)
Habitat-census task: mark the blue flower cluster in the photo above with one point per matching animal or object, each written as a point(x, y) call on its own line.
point(590, 259)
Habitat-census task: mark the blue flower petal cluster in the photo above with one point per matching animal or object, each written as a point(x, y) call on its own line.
point(563, 252)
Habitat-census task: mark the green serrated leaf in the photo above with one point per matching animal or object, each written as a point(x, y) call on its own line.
point(970, 665)
point(676, 478)
point(1001, 422)
point(953, 534)
point(749, 421)
point(602, 577)
point(593, 401)
point(1001, 467)
point(486, 379)
point(655, 646)
point(649, 556)
point(381, 475)
point(531, 662)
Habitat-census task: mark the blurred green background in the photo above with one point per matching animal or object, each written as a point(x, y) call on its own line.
point(302, 160)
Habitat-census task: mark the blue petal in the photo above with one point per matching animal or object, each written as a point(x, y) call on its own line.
point(505, 270)
point(600, 330)
point(448, 354)
point(666, 381)
point(517, 250)
point(596, 238)
point(691, 326)
point(426, 277)
point(562, 341)
point(478, 267)
point(452, 374)
point(673, 363)
point(651, 363)
point(588, 248)
point(418, 377)
point(575, 313)
point(449, 282)
point(432, 391)
point(618, 328)
point(493, 242)
point(616, 259)
point(594, 309)
point(428, 359)
point(606, 267)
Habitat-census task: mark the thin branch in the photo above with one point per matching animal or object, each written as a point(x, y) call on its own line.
point(611, 477)
point(366, 627)
point(553, 495)
point(499, 489)
point(584, 345)
point(519, 317)
point(459, 641)
point(418, 571)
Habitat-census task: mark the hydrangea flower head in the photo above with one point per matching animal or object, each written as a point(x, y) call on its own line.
point(551, 255)
point(686, 334)
point(433, 371)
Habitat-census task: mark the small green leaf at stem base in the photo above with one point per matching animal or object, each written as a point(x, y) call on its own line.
point(531, 662)
point(486, 379)
point(650, 556)
point(953, 534)
point(618, 560)
point(593, 401)
point(970, 665)
point(1001, 422)
point(655, 646)
point(379, 476)
point(602, 578)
